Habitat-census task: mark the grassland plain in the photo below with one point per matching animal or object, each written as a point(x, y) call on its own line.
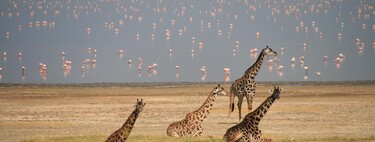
point(325, 111)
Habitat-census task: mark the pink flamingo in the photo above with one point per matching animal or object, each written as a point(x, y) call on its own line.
point(140, 62)
point(95, 51)
point(62, 55)
point(192, 53)
point(1, 76)
point(83, 71)
point(204, 73)
point(19, 56)
point(130, 63)
point(139, 71)
point(280, 70)
point(253, 52)
point(88, 30)
point(200, 45)
point(306, 72)
point(93, 62)
point(177, 71)
point(227, 74)
point(237, 44)
point(318, 74)
point(122, 53)
point(5, 54)
point(282, 50)
point(23, 68)
point(7, 35)
point(325, 59)
point(43, 70)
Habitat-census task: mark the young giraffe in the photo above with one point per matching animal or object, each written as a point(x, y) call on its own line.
point(245, 86)
point(123, 133)
point(247, 130)
point(191, 125)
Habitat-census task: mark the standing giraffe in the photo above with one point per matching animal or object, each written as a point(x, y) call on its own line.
point(247, 130)
point(245, 86)
point(123, 133)
point(191, 125)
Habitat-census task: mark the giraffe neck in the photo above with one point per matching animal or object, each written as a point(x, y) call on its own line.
point(128, 125)
point(205, 109)
point(259, 113)
point(254, 69)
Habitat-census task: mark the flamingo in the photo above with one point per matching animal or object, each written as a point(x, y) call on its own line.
point(227, 74)
point(19, 56)
point(130, 63)
point(122, 53)
point(253, 52)
point(318, 74)
point(204, 73)
point(306, 72)
point(282, 50)
point(88, 30)
point(83, 71)
point(325, 59)
point(63, 55)
point(177, 71)
point(306, 68)
point(280, 70)
point(23, 68)
point(139, 71)
point(200, 45)
point(140, 62)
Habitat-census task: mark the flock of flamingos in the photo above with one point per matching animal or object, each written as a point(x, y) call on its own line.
point(134, 11)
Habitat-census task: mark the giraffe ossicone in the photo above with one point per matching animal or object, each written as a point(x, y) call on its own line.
point(191, 125)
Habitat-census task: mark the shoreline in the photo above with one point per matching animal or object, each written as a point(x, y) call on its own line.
point(145, 84)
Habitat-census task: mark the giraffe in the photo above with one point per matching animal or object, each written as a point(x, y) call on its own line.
point(191, 125)
point(123, 133)
point(245, 86)
point(247, 130)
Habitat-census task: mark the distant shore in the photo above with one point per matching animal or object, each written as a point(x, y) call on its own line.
point(145, 84)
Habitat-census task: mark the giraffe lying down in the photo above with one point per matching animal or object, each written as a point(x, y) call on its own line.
point(191, 125)
point(123, 133)
point(247, 130)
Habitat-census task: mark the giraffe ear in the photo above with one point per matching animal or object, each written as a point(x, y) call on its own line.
point(270, 91)
point(218, 85)
point(143, 104)
point(281, 90)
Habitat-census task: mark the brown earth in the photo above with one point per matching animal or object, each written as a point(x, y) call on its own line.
point(303, 111)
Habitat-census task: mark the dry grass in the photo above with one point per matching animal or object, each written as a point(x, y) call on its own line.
point(327, 112)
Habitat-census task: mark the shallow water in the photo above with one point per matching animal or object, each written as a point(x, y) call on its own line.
point(277, 22)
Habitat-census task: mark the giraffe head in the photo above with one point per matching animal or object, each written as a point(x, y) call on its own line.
point(220, 91)
point(269, 52)
point(139, 105)
point(276, 92)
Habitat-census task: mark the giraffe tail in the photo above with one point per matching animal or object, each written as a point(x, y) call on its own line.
point(232, 107)
point(231, 99)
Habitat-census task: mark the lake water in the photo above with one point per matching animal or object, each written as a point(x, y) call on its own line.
point(220, 29)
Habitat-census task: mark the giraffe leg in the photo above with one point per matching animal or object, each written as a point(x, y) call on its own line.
point(231, 104)
point(239, 104)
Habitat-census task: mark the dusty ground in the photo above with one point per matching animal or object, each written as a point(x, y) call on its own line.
point(303, 111)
